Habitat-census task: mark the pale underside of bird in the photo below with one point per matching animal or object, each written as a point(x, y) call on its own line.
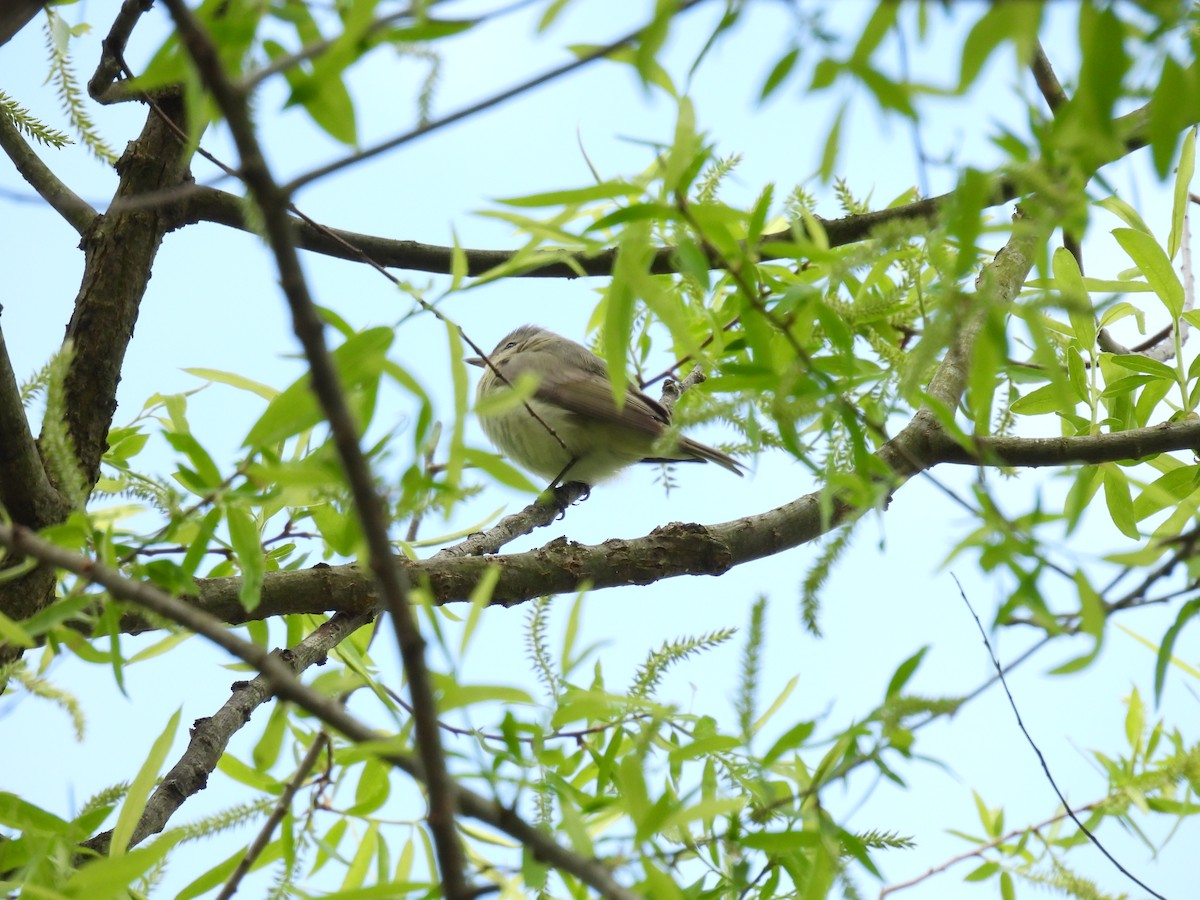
point(592, 438)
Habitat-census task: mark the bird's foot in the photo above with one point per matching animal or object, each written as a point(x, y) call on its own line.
point(564, 495)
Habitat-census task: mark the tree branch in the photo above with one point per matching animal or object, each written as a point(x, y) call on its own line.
point(467, 111)
point(284, 684)
point(206, 204)
point(112, 56)
point(73, 208)
point(212, 205)
point(667, 552)
point(1047, 81)
point(25, 492)
point(1088, 449)
point(211, 734)
point(119, 251)
point(15, 15)
point(259, 844)
point(393, 582)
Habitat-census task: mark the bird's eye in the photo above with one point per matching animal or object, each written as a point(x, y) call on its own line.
point(510, 345)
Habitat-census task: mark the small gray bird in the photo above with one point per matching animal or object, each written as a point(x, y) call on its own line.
point(574, 397)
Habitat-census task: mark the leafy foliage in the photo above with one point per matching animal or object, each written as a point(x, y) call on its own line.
point(37, 130)
point(865, 349)
point(58, 38)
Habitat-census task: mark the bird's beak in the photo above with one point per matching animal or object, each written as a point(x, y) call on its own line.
point(474, 361)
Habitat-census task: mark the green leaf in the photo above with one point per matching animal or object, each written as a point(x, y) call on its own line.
point(964, 219)
point(681, 156)
point(112, 875)
point(705, 809)
point(792, 738)
point(606, 190)
point(1135, 720)
point(775, 704)
point(780, 842)
point(266, 750)
point(21, 815)
point(983, 872)
point(360, 361)
point(1092, 616)
point(234, 380)
point(1187, 612)
point(1152, 261)
point(1125, 213)
point(1183, 181)
point(832, 143)
point(779, 72)
point(1119, 311)
point(1046, 399)
point(453, 695)
point(633, 788)
point(1135, 362)
point(717, 743)
point(206, 469)
point(620, 303)
point(1069, 281)
point(1017, 22)
point(636, 212)
point(1170, 106)
point(373, 789)
point(888, 93)
point(246, 542)
point(139, 789)
point(1168, 490)
point(876, 29)
point(481, 596)
point(1120, 504)
point(13, 633)
point(904, 672)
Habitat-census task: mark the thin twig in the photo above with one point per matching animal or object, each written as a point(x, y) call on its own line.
point(112, 55)
point(76, 211)
point(467, 111)
point(554, 735)
point(982, 848)
point(392, 581)
point(1042, 759)
point(259, 844)
point(1047, 81)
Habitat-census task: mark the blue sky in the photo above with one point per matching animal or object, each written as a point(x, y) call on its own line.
point(213, 303)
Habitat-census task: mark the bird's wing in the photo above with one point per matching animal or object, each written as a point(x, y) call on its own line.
point(592, 398)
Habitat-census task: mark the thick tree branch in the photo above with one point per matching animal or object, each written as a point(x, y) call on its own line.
point(73, 208)
point(667, 552)
point(1088, 449)
point(393, 582)
point(25, 492)
point(119, 251)
point(205, 204)
point(284, 684)
point(212, 205)
point(15, 15)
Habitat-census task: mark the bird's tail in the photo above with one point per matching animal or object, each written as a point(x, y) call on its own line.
point(703, 452)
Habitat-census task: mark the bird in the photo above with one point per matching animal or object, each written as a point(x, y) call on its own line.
point(592, 439)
